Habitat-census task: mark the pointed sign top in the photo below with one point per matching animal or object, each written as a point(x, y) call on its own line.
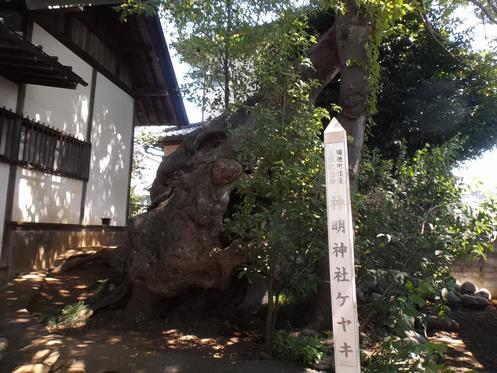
point(334, 132)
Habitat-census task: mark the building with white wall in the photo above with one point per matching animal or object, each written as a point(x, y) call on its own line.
point(74, 81)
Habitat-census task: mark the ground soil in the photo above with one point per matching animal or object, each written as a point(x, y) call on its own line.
point(109, 342)
point(206, 335)
point(474, 346)
point(183, 342)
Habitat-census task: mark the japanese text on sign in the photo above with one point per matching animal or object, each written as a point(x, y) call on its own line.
point(341, 252)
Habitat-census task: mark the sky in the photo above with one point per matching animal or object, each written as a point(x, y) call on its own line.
point(193, 111)
point(479, 172)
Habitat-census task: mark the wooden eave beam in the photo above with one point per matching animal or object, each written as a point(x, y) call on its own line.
point(12, 42)
point(38, 80)
point(154, 29)
point(135, 49)
point(26, 65)
point(151, 92)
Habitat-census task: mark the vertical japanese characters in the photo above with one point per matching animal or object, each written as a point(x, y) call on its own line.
point(341, 251)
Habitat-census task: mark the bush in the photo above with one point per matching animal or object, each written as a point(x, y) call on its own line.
point(71, 316)
point(281, 216)
point(410, 227)
point(298, 348)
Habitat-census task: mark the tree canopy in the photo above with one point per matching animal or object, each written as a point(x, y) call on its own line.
point(433, 88)
point(429, 83)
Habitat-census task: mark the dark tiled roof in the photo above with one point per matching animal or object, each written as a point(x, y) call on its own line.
point(178, 133)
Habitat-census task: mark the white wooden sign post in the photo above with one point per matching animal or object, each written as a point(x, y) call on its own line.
point(341, 251)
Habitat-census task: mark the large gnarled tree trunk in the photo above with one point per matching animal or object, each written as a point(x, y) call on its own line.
point(176, 245)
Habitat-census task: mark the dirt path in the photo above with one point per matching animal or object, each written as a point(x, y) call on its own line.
point(171, 345)
point(106, 345)
point(474, 346)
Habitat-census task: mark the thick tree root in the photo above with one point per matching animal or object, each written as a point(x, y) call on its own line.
point(111, 255)
point(77, 261)
point(114, 297)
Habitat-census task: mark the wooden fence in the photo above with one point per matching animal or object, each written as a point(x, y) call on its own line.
point(37, 146)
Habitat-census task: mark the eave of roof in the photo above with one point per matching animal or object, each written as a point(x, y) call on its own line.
point(156, 90)
point(177, 134)
point(158, 87)
point(55, 4)
point(23, 62)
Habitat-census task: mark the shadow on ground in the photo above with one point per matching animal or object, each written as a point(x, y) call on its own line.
point(106, 344)
point(473, 346)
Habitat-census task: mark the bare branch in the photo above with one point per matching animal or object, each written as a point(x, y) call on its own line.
point(430, 29)
point(488, 13)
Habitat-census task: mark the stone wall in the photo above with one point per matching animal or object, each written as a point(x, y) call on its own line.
point(481, 273)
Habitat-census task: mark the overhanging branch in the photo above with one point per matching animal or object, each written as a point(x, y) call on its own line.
point(492, 5)
point(489, 13)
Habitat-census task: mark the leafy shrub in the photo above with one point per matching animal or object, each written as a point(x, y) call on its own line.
point(71, 316)
point(298, 348)
point(282, 211)
point(137, 204)
point(410, 227)
point(410, 218)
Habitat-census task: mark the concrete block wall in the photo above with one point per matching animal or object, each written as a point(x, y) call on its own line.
point(482, 273)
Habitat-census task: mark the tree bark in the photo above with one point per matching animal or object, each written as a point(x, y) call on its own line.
point(353, 31)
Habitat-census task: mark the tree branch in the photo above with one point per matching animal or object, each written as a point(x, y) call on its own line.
point(430, 29)
point(485, 10)
point(492, 5)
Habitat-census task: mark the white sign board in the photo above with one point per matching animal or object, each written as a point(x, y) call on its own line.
point(341, 251)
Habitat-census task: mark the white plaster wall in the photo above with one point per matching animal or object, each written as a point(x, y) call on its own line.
point(44, 198)
point(4, 176)
point(41, 197)
point(107, 190)
point(8, 94)
point(64, 109)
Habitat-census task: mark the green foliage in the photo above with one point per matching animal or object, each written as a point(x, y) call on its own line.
point(383, 15)
point(282, 212)
point(102, 287)
point(410, 227)
point(402, 314)
point(429, 93)
point(281, 216)
point(71, 316)
point(141, 320)
point(219, 40)
point(424, 225)
point(396, 355)
point(145, 139)
point(137, 203)
point(298, 348)
point(477, 229)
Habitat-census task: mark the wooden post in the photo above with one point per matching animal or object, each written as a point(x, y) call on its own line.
point(341, 251)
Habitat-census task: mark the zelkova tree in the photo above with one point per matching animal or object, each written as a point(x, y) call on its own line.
point(182, 242)
point(177, 245)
